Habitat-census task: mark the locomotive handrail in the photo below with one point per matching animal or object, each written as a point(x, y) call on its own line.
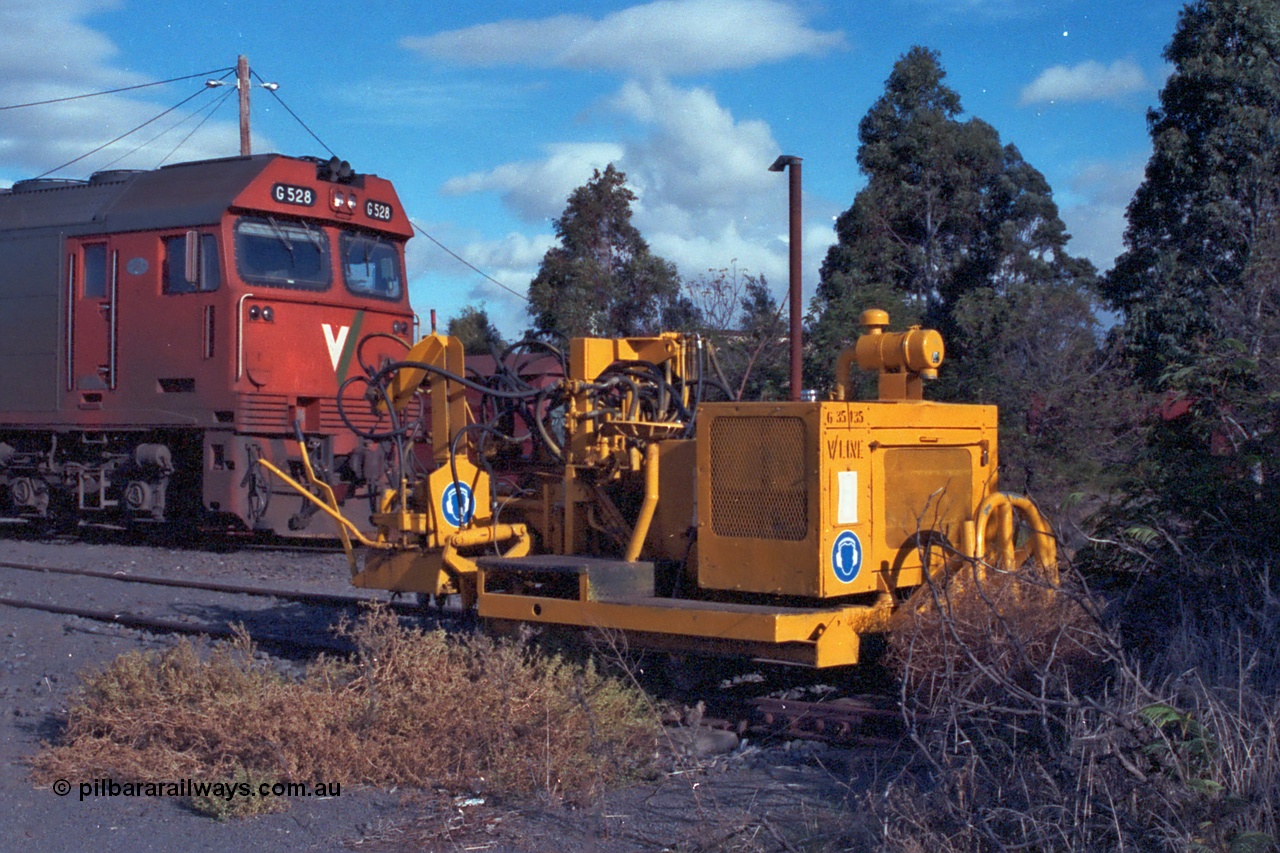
point(240, 335)
point(113, 330)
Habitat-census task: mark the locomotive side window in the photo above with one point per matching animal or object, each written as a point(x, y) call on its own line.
point(371, 266)
point(282, 254)
point(95, 271)
point(209, 272)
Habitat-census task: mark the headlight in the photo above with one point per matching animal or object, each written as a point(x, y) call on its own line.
point(343, 201)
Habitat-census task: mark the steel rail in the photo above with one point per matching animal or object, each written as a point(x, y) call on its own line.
point(840, 720)
point(328, 599)
point(150, 623)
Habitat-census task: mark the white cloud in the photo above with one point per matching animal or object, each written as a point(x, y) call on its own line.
point(52, 33)
point(537, 190)
point(1088, 81)
point(439, 281)
point(697, 156)
point(1095, 214)
point(694, 169)
point(705, 195)
point(47, 52)
point(515, 256)
point(661, 37)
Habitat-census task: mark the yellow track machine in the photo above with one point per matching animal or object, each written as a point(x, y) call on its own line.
point(607, 492)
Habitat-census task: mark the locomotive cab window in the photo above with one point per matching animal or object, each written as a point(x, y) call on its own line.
point(95, 271)
point(371, 266)
point(282, 254)
point(207, 271)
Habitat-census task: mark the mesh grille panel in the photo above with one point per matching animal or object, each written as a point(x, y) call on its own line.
point(271, 412)
point(758, 484)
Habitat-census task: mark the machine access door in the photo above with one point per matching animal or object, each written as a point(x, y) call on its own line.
point(92, 319)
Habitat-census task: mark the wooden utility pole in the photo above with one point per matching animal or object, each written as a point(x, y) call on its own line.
point(242, 83)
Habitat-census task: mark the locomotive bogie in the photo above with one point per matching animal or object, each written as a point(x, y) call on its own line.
point(103, 476)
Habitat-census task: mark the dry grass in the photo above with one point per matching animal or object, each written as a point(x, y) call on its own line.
point(993, 637)
point(1039, 730)
point(413, 709)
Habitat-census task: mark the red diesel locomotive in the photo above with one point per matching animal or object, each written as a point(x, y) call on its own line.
point(161, 330)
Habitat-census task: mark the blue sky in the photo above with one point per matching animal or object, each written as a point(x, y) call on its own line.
point(486, 115)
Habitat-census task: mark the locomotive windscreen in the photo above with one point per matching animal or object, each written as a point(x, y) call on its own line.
point(284, 254)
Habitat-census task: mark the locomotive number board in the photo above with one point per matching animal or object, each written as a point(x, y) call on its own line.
point(290, 194)
point(378, 210)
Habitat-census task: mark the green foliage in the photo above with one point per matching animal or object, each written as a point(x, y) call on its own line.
point(1202, 226)
point(1183, 739)
point(957, 231)
point(1199, 284)
point(947, 210)
point(602, 280)
point(476, 331)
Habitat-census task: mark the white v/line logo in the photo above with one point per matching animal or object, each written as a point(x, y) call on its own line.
point(336, 338)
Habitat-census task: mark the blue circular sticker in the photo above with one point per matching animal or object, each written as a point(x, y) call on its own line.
point(846, 556)
point(457, 504)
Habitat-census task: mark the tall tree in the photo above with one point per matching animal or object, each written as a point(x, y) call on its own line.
point(473, 327)
point(1199, 281)
point(1201, 244)
point(602, 279)
point(947, 211)
point(957, 231)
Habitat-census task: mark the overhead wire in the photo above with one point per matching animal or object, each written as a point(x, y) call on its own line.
point(212, 107)
point(217, 105)
point(113, 91)
point(296, 118)
point(122, 136)
point(468, 264)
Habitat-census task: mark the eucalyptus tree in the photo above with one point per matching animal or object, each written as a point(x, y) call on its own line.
point(1198, 284)
point(602, 279)
point(956, 230)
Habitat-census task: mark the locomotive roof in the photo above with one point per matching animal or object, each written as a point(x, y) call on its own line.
point(181, 195)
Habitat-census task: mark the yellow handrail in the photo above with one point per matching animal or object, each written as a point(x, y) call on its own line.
point(998, 512)
point(346, 529)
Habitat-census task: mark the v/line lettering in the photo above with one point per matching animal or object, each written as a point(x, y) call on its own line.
point(844, 448)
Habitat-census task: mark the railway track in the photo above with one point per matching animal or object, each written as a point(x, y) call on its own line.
point(286, 620)
point(296, 622)
point(864, 720)
point(322, 598)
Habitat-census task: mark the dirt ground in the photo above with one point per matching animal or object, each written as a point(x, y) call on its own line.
point(776, 796)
